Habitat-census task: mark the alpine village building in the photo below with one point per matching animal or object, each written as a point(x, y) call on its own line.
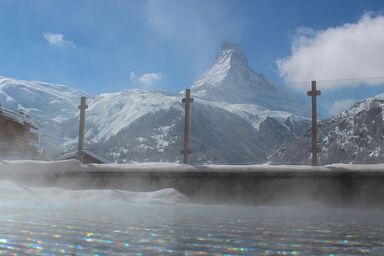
point(18, 135)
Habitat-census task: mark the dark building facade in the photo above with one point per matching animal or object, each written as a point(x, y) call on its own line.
point(18, 134)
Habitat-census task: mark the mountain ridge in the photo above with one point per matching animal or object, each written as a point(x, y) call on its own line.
point(356, 135)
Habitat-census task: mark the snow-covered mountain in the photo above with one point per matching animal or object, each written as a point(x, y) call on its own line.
point(238, 116)
point(354, 136)
point(48, 104)
point(118, 110)
point(40, 99)
point(231, 80)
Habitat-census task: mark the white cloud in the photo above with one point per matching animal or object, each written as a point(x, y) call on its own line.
point(340, 105)
point(149, 78)
point(57, 40)
point(353, 50)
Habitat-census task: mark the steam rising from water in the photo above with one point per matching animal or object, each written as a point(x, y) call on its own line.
point(15, 191)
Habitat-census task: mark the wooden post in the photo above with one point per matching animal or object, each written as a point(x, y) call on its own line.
point(314, 93)
point(83, 106)
point(187, 100)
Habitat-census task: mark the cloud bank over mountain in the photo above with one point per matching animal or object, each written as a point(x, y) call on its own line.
point(351, 51)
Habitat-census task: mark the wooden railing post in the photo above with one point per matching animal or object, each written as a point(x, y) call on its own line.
point(314, 93)
point(187, 101)
point(83, 106)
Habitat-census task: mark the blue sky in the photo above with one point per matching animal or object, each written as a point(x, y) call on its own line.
point(104, 46)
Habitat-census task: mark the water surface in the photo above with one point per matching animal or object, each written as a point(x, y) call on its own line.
point(103, 228)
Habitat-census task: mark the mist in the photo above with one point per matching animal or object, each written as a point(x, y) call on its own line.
point(264, 185)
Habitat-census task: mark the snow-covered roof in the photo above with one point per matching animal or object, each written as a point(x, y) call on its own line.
point(87, 152)
point(17, 117)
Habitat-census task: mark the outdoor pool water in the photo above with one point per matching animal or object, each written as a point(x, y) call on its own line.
point(100, 228)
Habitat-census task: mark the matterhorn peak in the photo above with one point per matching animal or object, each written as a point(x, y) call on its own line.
point(230, 79)
point(230, 59)
point(233, 53)
point(230, 45)
point(230, 73)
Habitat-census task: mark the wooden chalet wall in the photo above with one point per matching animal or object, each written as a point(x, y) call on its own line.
point(16, 134)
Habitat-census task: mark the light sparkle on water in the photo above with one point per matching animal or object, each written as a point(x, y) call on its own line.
point(46, 229)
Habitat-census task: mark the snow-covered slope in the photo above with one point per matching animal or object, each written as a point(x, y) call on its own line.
point(118, 110)
point(354, 136)
point(39, 99)
point(253, 113)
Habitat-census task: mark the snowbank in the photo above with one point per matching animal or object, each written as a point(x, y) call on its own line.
point(13, 168)
point(173, 167)
point(16, 191)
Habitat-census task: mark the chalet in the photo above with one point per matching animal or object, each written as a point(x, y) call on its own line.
point(18, 135)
